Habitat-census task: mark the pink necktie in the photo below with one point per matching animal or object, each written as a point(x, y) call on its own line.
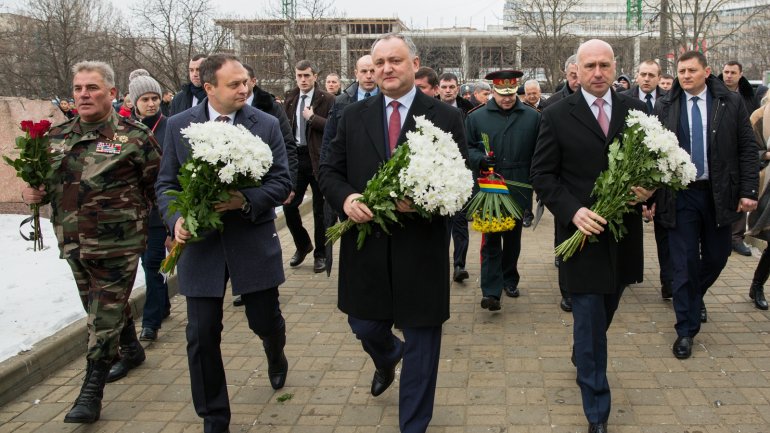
point(394, 126)
point(604, 122)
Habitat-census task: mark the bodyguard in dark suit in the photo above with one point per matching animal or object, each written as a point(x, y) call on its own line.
point(401, 279)
point(247, 252)
point(307, 107)
point(571, 151)
point(646, 90)
point(712, 124)
point(448, 88)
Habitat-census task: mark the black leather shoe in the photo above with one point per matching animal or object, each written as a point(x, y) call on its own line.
point(319, 265)
point(741, 248)
point(682, 347)
point(238, 301)
point(277, 364)
point(460, 274)
point(757, 293)
point(527, 219)
point(566, 304)
point(132, 356)
point(597, 428)
point(511, 291)
point(490, 303)
point(665, 290)
point(704, 315)
point(299, 256)
point(382, 380)
point(148, 334)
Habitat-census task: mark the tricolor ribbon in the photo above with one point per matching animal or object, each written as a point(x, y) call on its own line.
point(493, 186)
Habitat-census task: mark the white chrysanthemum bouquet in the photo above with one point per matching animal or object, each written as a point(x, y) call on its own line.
point(428, 169)
point(648, 155)
point(223, 158)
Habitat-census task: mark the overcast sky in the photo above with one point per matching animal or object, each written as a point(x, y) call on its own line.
point(415, 14)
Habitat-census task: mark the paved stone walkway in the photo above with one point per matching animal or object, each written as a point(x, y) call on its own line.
point(507, 371)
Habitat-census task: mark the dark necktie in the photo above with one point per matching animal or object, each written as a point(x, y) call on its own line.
point(223, 119)
point(604, 121)
point(302, 122)
point(367, 94)
point(648, 97)
point(394, 126)
point(696, 147)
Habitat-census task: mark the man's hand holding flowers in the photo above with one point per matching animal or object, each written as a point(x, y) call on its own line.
point(30, 195)
point(235, 202)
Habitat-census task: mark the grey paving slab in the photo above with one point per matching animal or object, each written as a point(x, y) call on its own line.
point(507, 371)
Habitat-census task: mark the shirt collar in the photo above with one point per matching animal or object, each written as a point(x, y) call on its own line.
point(643, 95)
point(405, 100)
point(250, 99)
point(362, 93)
point(591, 98)
point(309, 95)
point(213, 114)
point(701, 95)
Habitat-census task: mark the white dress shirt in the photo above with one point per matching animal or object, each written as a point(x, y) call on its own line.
point(590, 99)
point(406, 103)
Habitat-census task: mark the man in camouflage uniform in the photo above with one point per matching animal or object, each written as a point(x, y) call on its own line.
point(105, 168)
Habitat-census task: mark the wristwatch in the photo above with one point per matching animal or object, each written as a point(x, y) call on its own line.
point(246, 206)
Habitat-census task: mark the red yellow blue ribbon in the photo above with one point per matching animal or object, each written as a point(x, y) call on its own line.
point(493, 186)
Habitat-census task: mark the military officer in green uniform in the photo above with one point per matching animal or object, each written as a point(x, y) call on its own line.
point(101, 189)
point(512, 128)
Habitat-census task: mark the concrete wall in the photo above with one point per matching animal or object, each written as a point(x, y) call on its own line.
point(12, 112)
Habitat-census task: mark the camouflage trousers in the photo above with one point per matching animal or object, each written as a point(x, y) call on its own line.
point(104, 286)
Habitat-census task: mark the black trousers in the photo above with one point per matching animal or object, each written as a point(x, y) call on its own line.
point(421, 352)
point(592, 315)
point(458, 229)
point(204, 355)
point(699, 252)
point(499, 260)
point(306, 178)
point(664, 254)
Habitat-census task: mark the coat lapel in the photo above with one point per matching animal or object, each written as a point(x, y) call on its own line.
point(374, 117)
point(246, 119)
point(618, 119)
point(583, 114)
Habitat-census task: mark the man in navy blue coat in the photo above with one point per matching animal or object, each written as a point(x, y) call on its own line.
point(247, 252)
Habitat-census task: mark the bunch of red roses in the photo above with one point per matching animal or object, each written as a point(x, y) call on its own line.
point(33, 166)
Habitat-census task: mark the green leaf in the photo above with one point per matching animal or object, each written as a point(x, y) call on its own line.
point(285, 397)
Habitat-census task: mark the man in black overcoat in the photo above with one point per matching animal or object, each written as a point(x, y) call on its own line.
point(401, 279)
point(571, 151)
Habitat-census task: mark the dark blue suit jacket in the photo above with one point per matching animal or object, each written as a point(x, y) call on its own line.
point(248, 248)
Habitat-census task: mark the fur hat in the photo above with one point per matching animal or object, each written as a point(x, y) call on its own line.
point(140, 82)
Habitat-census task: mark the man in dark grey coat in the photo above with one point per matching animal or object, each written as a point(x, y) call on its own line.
point(247, 252)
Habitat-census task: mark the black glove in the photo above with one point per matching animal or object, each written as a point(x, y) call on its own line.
point(487, 162)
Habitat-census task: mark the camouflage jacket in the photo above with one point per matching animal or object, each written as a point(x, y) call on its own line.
point(102, 187)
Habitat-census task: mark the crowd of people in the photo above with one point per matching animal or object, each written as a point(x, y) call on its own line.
point(115, 163)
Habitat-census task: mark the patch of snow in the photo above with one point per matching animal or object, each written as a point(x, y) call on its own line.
point(38, 292)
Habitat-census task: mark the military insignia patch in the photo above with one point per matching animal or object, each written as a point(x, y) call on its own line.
point(111, 148)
